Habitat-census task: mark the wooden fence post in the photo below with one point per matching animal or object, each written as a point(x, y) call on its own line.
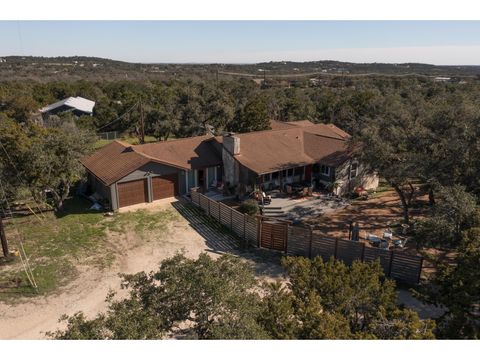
point(259, 231)
point(420, 270)
point(286, 238)
point(3, 239)
point(390, 264)
point(311, 241)
point(244, 227)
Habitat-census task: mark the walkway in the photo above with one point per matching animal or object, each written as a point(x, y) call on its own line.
point(217, 237)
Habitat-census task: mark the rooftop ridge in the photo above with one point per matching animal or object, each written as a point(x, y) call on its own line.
point(174, 140)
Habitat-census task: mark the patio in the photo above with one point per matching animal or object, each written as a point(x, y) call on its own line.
point(301, 208)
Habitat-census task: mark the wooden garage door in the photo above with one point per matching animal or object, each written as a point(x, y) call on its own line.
point(164, 186)
point(132, 192)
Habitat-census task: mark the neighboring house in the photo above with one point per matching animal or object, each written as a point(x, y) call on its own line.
point(125, 174)
point(77, 105)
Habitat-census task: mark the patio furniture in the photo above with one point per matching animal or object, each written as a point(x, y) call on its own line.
point(266, 199)
point(387, 234)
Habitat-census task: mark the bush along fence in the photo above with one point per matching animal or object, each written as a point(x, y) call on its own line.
point(280, 235)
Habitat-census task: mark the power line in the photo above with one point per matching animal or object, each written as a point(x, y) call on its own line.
point(119, 118)
point(21, 250)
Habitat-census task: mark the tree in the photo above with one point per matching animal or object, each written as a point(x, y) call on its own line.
point(253, 117)
point(390, 145)
point(220, 299)
point(332, 300)
point(54, 161)
point(452, 214)
point(218, 107)
point(20, 107)
point(163, 118)
point(215, 298)
point(456, 287)
point(43, 159)
point(161, 125)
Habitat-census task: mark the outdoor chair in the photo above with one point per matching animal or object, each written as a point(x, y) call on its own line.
point(267, 199)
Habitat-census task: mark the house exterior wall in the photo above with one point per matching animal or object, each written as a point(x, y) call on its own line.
point(364, 178)
point(62, 109)
point(102, 190)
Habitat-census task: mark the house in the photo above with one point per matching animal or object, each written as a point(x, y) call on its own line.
point(298, 151)
point(441, 79)
point(77, 105)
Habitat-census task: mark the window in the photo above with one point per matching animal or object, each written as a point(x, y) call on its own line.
point(353, 170)
point(284, 173)
point(275, 175)
point(299, 170)
point(325, 170)
point(290, 172)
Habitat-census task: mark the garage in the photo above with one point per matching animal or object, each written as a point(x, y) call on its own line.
point(132, 192)
point(164, 186)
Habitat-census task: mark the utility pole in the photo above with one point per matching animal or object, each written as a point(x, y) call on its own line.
point(3, 239)
point(142, 125)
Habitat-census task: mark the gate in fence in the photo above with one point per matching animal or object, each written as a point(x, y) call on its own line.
point(273, 235)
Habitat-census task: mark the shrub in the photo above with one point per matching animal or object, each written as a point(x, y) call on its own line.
point(249, 207)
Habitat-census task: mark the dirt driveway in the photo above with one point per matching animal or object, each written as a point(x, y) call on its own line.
point(31, 319)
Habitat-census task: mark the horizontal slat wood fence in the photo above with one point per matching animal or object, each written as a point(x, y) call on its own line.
point(309, 243)
point(243, 225)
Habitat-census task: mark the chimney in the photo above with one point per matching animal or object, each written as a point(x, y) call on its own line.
point(231, 143)
point(231, 147)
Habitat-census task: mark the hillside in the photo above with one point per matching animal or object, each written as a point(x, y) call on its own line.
point(92, 68)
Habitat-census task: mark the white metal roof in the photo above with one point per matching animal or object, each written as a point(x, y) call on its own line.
point(78, 103)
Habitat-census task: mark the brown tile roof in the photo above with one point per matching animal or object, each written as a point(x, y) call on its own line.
point(267, 151)
point(272, 150)
point(284, 125)
point(280, 125)
point(260, 151)
point(113, 161)
point(329, 151)
point(189, 153)
point(118, 159)
point(339, 131)
point(301, 123)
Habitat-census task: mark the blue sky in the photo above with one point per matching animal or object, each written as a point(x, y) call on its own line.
point(438, 42)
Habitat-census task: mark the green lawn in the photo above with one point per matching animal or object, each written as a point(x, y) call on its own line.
point(128, 139)
point(78, 236)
